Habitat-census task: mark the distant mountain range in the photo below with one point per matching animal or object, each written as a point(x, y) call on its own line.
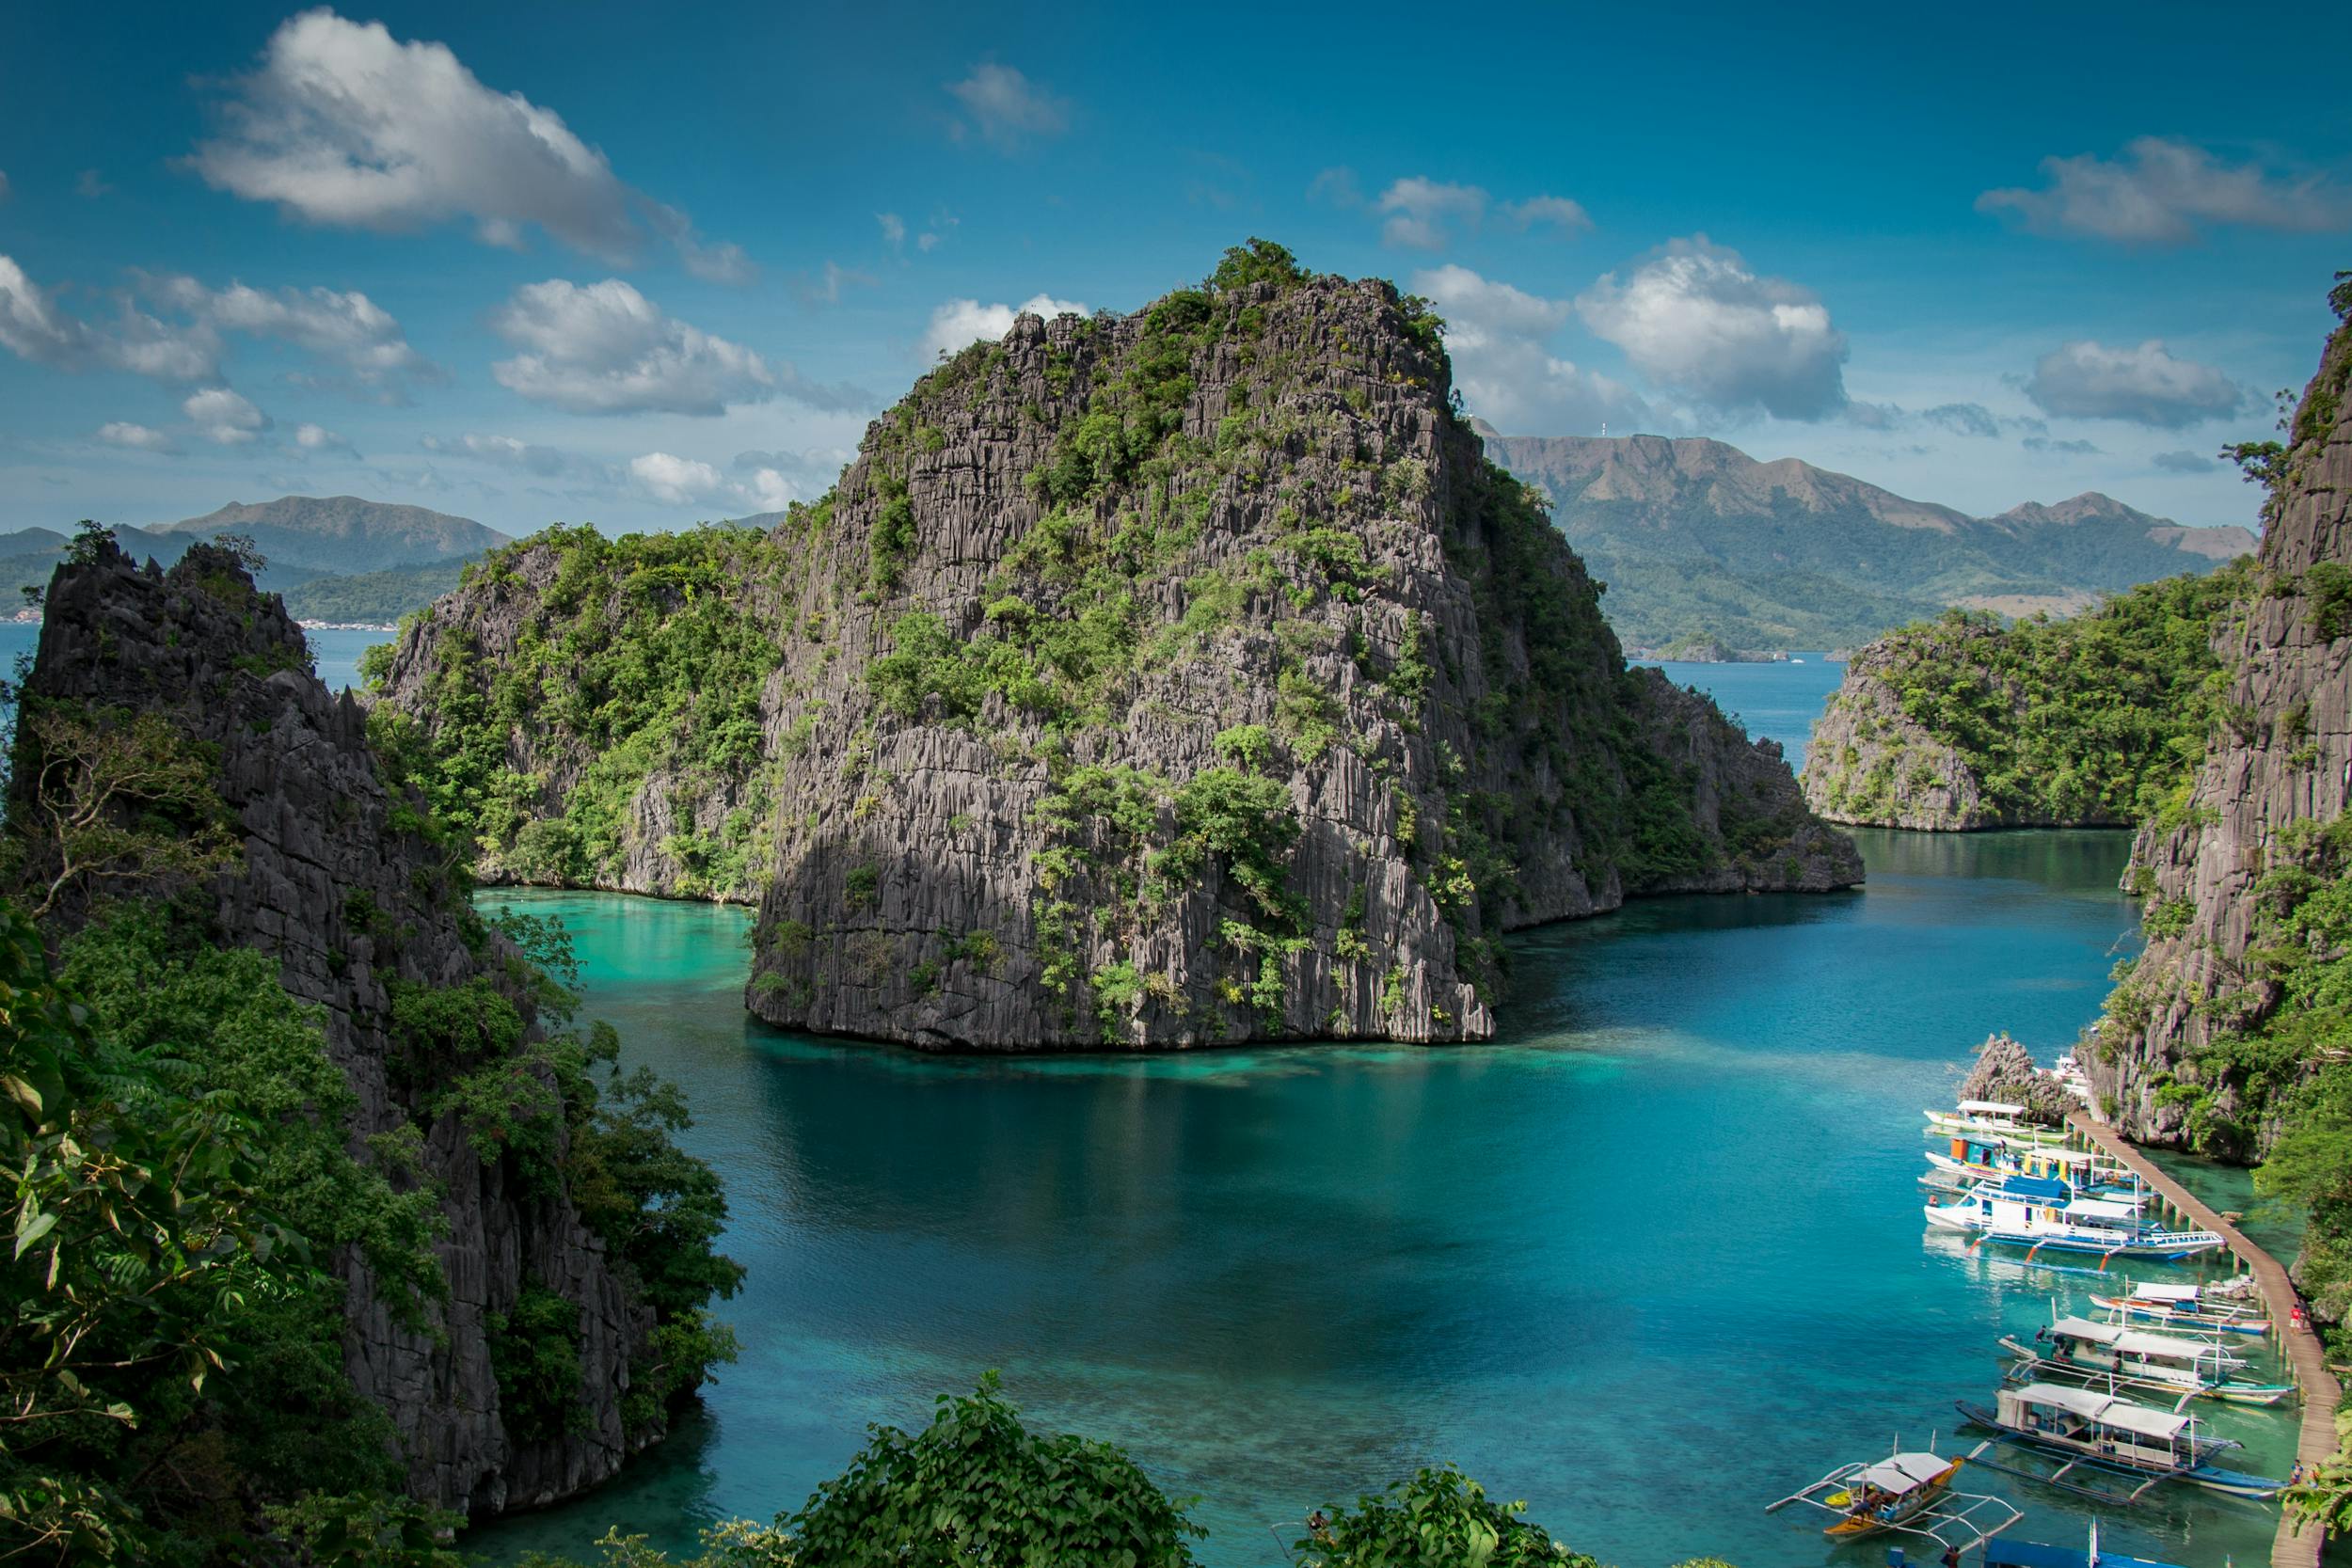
point(334, 557)
point(1697, 539)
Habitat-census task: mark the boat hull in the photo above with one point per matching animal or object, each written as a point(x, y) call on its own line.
point(2210, 1478)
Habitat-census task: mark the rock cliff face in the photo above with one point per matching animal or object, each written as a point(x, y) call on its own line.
point(1868, 762)
point(339, 885)
point(1158, 680)
point(2280, 767)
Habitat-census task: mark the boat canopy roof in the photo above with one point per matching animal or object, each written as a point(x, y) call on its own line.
point(2037, 1189)
point(2102, 1209)
point(2064, 1156)
point(2134, 1341)
point(1991, 1108)
point(2105, 1409)
point(2175, 1295)
point(1902, 1472)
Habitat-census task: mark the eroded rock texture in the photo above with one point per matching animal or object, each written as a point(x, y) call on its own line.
point(2280, 767)
point(1868, 762)
point(338, 885)
point(1168, 679)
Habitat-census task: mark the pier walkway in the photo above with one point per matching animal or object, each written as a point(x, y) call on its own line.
point(2321, 1392)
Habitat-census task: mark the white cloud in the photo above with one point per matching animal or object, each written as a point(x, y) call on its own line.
point(724, 263)
point(1495, 335)
point(1695, 317)
point(2161, 190)
point(224, 418)
point(769, 490)
point(1564, 216)
point(139, 437)
point(318, 438)
point(1007, 107)
point(1420, 210)
point(2184, 462)
point(2146, 385)
point(961, 322)
point(680, 480)
point(89, 185)
point(346, 327)
point(825, 287)
point(346, 126)
point(507, 452)
point(31, 325)
point(607, 349)
point(1963, 419)
point(893, 229)
point(1336, 185)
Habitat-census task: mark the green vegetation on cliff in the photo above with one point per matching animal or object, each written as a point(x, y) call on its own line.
point(2099, 718)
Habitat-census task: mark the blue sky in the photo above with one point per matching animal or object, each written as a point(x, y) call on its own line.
point(636, 266)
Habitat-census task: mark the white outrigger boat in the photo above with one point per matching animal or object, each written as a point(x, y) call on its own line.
point(1996, 1118)
point(2115, 1356)
point(1987, 1157)
point(2087, 1430)
point(1905, 1494)
point(2219, 1306)
point(2043, 1215)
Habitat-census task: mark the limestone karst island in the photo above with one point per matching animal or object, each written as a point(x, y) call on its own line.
point(927, 789)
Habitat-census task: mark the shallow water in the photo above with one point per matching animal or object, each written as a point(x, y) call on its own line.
point(1649, 1261)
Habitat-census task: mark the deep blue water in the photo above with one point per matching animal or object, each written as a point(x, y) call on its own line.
point(1776, 701)
point(1649, 1261)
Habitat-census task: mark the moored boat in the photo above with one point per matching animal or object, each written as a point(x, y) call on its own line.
point(1908, 1494)
point(2045, 1215)
point(2088, 1428)
point(2218, 1307)
point(1989, 1158)
point(2116, 1357)
point(1996, 1118)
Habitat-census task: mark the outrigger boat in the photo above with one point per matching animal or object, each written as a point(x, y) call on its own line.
point(2032, 1554)
point(1908, 1494)
point(2088, 1430)
point(1987, 1158)
point(1996, 1118)
point(2218, 1307)
point(2043, 1215)
point(2116, 1357)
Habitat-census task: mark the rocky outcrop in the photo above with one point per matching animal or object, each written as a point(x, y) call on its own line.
point(1870, 763)
point(1154, 680)
point(2004, 1071)
point(2280, 767)
point(340, 881)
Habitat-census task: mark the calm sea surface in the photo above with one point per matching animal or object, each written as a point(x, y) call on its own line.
point(1651, 1260)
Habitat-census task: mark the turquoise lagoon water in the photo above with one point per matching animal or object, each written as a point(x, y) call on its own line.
point(1776, 701)
point(1649, 1261)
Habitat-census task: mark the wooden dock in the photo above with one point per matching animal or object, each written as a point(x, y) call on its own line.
point(2321, 1392)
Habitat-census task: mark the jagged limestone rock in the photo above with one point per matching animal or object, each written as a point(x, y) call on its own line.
point(1870, 763)
point(2004, 1070)
point(337, 882)
point(2279, 767)
point(1166, 679)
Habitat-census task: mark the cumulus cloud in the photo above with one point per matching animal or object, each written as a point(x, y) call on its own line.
point(1557, 213)
point(31, 325)
point(681, 480)
point(2146, 385)
point(1695, 317)
point(1496, 333)
point(346, 126)
point(1963, 419)
point(139, 437)
point(1005, 107)
point(1420, 211)
point(724, 262)
point(2161, 191)
point(345, 327)
point(961, 322)
point(607, 349)
point(2184, 462)
point(318, 438)
point(224, 418)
